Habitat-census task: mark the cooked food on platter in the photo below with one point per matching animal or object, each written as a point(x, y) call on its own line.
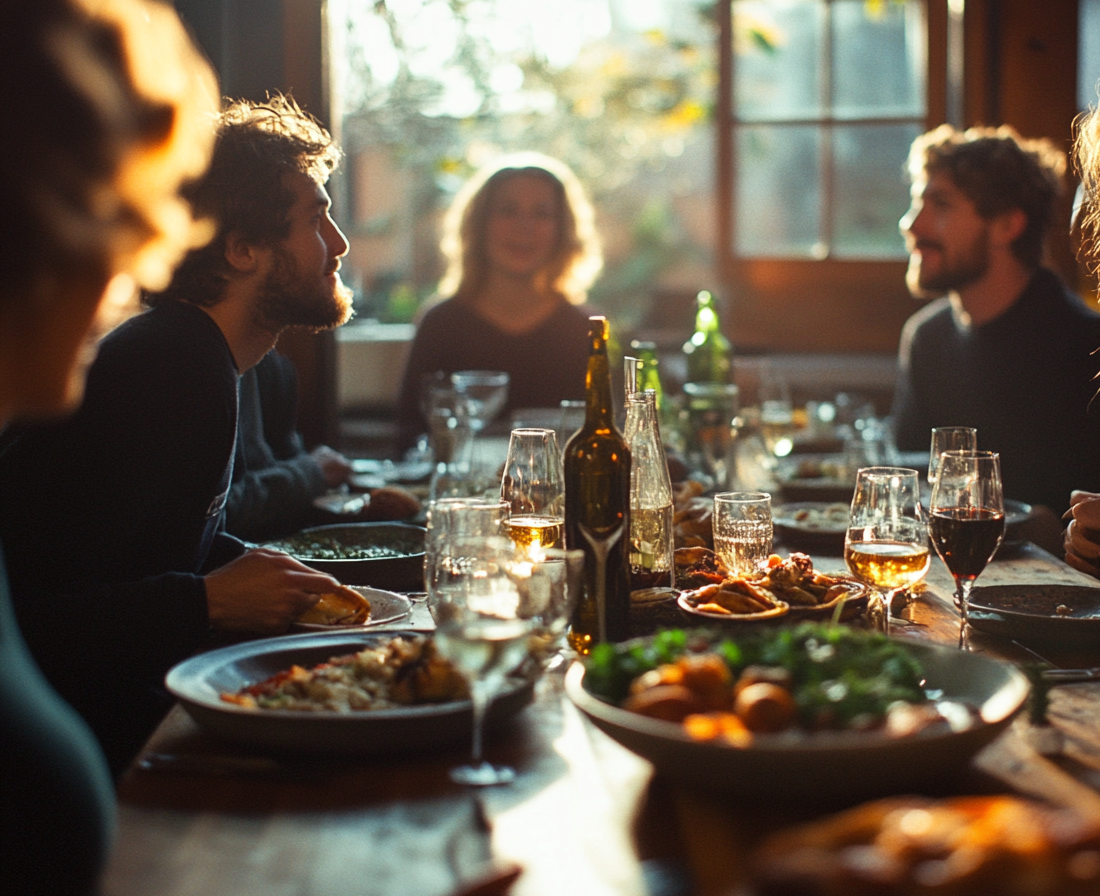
point(379, 555)
point(402, 671)
point(810, 679)
point(697, 566)
point(915, 845)
point(790, 586)
point(815, 516)
point(342, 606)
point(691, 517)
point(322, 545)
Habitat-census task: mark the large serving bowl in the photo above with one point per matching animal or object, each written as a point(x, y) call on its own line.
point(826, 767)
point(389, 556)
point(199, 682)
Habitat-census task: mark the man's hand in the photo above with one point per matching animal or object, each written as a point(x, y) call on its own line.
point(263, 592)
point(1082, 539)
point(335, 467)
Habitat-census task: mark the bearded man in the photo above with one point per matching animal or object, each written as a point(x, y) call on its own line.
point(112, 519)
point(1006, 347)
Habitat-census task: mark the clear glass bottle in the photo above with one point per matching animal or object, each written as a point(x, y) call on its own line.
point(709, 353)
point(650, 496)
point(597, 506)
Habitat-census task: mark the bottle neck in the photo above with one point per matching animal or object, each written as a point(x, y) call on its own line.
point(599, 412)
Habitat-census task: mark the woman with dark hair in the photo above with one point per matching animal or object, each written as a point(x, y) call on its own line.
point(522, 251)
point(109, 111)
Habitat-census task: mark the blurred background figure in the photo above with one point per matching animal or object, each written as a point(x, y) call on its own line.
point(108, 110)
point(522, 252)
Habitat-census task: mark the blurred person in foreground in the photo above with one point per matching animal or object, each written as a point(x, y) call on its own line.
point(1082, 536)
point(1008, 348)
point(108, 109)
point(522, 252)
point(119, 563)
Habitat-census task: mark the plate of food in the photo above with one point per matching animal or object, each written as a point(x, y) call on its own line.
point(812, 525)
point(1062, 613)
point(815, 713)
point(338, 692)
point(790, 590)
point(353, 607)
point(380, 555)
point(817, 479)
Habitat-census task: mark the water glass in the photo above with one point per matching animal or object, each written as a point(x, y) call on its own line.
point(486, 391)
point(711, 408)
point(743, 531)
point(949, 438)
point(450, 519)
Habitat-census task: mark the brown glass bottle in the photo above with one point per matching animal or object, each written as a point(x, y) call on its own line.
point(597, 506)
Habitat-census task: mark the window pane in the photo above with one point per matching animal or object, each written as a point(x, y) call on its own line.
point(871, 190)
point(777, 59)
point(778, 209)
point(878, 59)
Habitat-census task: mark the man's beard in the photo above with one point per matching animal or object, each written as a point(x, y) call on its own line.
point(954, 273)
point(290, 299)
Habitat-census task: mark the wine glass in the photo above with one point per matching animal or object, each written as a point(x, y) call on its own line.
point(453, 518)
point(533, 484)
point(886, 545)
point(486, 391)
point(549, 581)
point(481, 629)
point(711, 409)
point(967, 520)
point(949, 438)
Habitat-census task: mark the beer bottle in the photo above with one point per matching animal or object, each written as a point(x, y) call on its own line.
point(709, 355)
point(597, 506)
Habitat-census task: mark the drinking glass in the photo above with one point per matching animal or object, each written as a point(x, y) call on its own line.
point(449, 519)
point(481, 629)
point(549, 581)
point(949, 438)
point(533, 484)
point(967, 520)
point(711, 408)
point(486, 391)
point(743, 531)
point(886, 545)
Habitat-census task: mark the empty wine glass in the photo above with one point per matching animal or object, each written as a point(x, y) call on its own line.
point(886, 545)
point(481, 629)
point(549, 581)
point(533, 484)
point(486, 391)
point(967, 520)
point(949, 438)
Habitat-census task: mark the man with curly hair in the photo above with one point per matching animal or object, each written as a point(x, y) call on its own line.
point(113, 519)
point(1007, 348)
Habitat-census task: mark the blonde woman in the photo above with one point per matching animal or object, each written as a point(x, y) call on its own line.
point(108, 109)
point(522, 251)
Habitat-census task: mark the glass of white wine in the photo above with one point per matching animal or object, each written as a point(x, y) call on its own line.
point(533, 484)
point(886, 545)
point(483, 629)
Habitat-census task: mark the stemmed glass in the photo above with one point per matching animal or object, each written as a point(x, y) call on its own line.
point(949, 438)
point(967, 520)
point(549, 581)
point(481, 627)
point(533, 484)
point(487, 392)
point(886, 545)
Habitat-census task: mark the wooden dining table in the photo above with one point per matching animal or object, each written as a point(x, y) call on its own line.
point(584, 815)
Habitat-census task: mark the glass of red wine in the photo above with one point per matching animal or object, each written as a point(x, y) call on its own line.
point(967, 520)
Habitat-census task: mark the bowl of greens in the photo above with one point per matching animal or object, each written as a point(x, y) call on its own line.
point(816, 713)
point(389, 556)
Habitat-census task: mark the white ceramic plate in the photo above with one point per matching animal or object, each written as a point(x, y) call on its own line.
point(385, 607)
point(827, 767)
point(199, 681)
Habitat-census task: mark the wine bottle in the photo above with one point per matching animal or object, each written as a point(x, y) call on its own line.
point(708, 351)
point(597, 506)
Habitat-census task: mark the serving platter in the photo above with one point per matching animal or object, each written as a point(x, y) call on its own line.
point(401, 569)
point(826, 767)
point(199, 681)
point(812, 526)
point(385, 607)
point(1068, 614)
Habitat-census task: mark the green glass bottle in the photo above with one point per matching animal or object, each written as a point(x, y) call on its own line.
point(709, 354)
point(597, 507)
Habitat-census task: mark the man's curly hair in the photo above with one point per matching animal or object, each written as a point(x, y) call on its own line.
point(997, 170)
point(245, 190)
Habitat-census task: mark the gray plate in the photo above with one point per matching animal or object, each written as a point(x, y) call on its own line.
point(385, 607)
point(1030, 612)
point(199, 681)
point(827, 767)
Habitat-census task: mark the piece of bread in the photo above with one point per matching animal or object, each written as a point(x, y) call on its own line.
point(391, 503)
point(341, 607)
